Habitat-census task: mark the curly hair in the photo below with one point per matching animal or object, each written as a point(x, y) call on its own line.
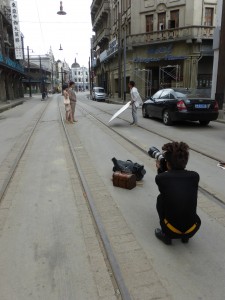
point(176, 154)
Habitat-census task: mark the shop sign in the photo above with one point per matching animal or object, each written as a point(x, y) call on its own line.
point(16, 30)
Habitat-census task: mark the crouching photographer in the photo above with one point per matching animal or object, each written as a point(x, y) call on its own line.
point(177, 201)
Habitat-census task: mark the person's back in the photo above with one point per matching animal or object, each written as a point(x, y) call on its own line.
point(177, 201)
point(179, 192)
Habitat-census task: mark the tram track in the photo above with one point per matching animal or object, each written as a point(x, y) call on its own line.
point(217, 159)
point(117, 280)
point(203, 190)
point(121, 291)
point(112, 263)
point(17, 152)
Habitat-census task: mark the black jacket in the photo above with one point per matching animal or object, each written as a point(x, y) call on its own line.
point(177, 201)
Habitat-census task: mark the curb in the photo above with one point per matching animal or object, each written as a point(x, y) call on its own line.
point(5, 107)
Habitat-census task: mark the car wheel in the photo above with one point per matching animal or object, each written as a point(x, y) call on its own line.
point(144, 112)
point(204, 123)
point(166, 118)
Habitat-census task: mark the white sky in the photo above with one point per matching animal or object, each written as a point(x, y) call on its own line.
point(42, 27)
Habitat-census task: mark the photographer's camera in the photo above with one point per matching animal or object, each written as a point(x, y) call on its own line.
point(156, 154)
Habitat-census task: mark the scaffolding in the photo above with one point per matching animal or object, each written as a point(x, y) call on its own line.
point(169, 76)
point(146, 80)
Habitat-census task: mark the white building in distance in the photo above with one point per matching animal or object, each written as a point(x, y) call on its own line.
point(80, 75)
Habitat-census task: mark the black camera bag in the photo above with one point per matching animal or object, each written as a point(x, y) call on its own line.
point(129, 167)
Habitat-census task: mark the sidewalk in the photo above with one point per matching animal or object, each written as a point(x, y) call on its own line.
point(5, 105)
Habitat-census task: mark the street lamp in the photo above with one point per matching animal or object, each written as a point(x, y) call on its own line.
point(62, 72)
point(61, 12)
point(28, 64)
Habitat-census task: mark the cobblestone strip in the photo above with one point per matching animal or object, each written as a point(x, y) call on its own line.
point(211, 208)
point(138, 273)
point(101, 271)
point(6, 169)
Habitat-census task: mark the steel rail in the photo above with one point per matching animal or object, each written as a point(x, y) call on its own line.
point(124, 292)
point(203, 190)
point(19, 156)
point(158, 134)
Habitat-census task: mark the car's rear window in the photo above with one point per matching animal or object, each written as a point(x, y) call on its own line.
point(194, 93)
point(181, 95)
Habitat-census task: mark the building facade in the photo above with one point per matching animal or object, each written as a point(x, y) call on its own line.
point(155, 43)
point(80, 75)
point(11, 69)
point(218, 81)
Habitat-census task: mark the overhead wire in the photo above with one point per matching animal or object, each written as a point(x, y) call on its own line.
point(39, 21)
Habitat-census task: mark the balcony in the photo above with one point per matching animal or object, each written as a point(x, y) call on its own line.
point(103, 35)
point(187, 34)
point(100, 13)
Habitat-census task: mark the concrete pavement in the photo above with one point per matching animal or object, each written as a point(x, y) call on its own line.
point(5, 105)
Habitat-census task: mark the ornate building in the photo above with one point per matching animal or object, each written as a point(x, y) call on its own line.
point(80, 75)
point(157, 43)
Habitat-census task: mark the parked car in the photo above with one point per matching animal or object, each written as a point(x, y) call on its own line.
point(181, 104)
point(98, 94)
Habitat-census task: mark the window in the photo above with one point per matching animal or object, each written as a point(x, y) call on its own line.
point(174, 19)
point(165, 95)
point(209, 16)
point(162, 21)
point(157, 95)
point(149, 23)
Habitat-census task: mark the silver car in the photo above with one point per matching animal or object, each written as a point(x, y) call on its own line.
point(98, 94)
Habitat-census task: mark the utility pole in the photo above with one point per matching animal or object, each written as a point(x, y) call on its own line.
point(28, 62)
point(220, 86)
point(124, 63)
point(119, 54)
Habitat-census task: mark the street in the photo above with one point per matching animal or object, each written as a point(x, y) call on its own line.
point(48, 245)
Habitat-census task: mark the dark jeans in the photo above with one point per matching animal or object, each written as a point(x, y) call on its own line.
point(166, 230)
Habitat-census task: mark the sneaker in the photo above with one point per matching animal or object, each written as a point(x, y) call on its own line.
point(133, 124)
point(161, 236)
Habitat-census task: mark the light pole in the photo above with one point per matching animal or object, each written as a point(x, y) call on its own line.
point(124, 63)
point(62, 72)
point(28, 64)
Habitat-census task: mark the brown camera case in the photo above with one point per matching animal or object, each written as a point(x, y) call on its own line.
point(124, 180)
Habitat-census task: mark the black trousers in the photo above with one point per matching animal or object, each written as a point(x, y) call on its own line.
point(169, 232)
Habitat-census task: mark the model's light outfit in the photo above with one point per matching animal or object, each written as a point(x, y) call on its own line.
point(135, 102)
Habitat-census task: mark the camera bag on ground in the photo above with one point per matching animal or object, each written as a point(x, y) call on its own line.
point(124, 180)
point(129, 167)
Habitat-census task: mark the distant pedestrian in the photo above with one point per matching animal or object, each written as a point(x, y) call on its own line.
point(73, 99)
point(66, 101)
point(135, 102)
